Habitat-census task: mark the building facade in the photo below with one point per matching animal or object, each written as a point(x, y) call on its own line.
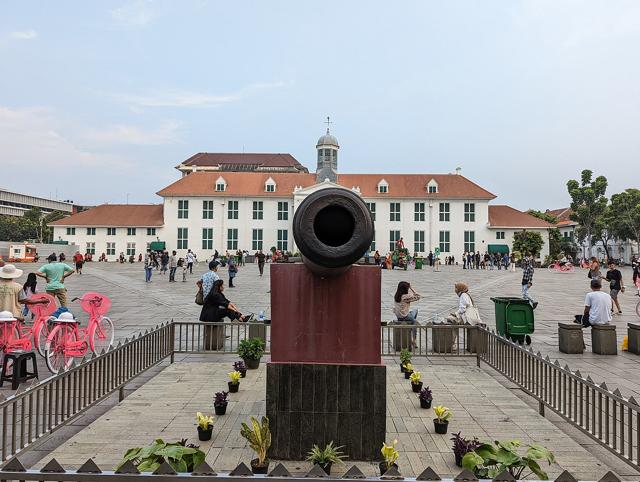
point(16, 204)
point(211, 209)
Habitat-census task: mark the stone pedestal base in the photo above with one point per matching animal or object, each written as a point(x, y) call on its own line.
point(603, 340)
point(570, 339)
point(311, 404)
point(633, 332)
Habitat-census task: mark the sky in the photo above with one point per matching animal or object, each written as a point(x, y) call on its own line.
point(100, 100)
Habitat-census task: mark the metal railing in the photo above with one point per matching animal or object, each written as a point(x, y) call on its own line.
point(42, 408)
point(605, 415)
point(198, 336)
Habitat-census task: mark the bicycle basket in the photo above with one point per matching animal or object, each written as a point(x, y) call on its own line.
point(100, 307)
point(43, 309)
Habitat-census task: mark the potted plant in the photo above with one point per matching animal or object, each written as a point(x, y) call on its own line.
point(405, 357)
point(241, 367)
point(441, 422)
point(205, 426)
point(180, 456)
point(416, 384)
point(251, 351)
point(489, 460)
point(408, 370)
point(389, 455)
point(220, 402)
point(234, 381)
point(462, 446)
point(426, 397)
point(326, 457)
point(259, 439)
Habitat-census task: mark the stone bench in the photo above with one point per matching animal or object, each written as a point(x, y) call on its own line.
point(570, 338)
point(633, 334)
point(401, 338)
point(603, 340)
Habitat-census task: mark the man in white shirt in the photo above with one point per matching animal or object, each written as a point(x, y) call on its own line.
point(597, 306)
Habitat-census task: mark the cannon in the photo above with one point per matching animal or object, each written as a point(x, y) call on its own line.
point(332, 228)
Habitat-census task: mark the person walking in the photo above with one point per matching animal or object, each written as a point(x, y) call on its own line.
point(527, 279)
point(594, 269)
point(78, 260)
point(164, 261)
point(430, 258)
point(261, 258)
point(616, 285)
point(636, 276)
point(191, 258)
point(148, 266)
point(376, 258)
point(403, 298)
point(233, 270)
point(173, 266)
point(55, 272)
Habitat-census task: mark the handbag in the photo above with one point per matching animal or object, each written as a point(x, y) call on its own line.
point(472, 315)
point(200, 297)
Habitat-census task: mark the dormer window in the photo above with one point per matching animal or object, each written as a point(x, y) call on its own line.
point(221, 184)
point(270, 185)
point(383, 187)
point(432, 187)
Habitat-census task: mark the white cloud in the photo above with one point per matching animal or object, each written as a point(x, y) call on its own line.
point(179, 98)
point(29, 34)
point(165, 133)
point(137, 13)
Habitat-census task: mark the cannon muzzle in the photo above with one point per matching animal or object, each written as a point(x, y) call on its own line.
point(332, 228)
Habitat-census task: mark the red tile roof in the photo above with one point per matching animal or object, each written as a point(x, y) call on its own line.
point(562, 215)
point(501, 216)
point(211, 159)
point(116, 215)
point(252, 184)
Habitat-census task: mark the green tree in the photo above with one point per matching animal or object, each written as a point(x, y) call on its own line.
point(626, 215)
point(528, 242)
point(555, 243)
point(588, 203)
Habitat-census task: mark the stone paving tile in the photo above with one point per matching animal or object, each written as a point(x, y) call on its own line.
point(165, 407)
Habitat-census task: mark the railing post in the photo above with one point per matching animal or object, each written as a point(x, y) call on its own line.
point(121, 393)
point(172, 333)
point(541, 407)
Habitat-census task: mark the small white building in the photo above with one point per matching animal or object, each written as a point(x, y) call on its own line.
point(214, 208)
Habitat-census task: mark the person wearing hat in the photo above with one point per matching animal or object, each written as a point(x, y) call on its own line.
point(11, 293)
point(55, 273)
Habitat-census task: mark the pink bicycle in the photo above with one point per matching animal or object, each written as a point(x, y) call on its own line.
point(566, 268)
point(67, 340)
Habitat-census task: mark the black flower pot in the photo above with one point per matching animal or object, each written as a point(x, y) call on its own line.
point(220, 409)
point(407, 374)
point(204, 435)
point(243, 373)
point(416, 387)
point(259, 469)
point(233, 387)
point(402, 368)
point(252, 364)
point(458, 460)
point(383, 467)
point(425, 403)
point(440, 427)
point(326, 467)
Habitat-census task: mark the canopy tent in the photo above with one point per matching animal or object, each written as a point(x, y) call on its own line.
point(157, 245)
point(498, 248)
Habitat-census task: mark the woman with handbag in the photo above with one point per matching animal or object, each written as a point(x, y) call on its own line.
point(467, 311)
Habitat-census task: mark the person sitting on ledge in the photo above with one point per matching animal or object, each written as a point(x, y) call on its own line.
point(405, 294)
point(597, 306)
point(216, 306)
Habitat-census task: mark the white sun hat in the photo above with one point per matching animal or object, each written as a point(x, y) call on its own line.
point(65, 317)
point(9, 271)
point(7, 316)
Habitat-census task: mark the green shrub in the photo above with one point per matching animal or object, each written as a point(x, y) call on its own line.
point(251, 349)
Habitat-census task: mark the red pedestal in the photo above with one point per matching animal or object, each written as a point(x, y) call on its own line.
point(332, 320)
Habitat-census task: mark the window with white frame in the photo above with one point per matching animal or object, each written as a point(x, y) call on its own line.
point(283, 210)
point(91, 248)
point(418, 211)
point(445, 242)
point(111, 249)
point(270, 185)
point(131, 231)
point(394, 211)
point(499, 234)
point(432, 187)
point(72, 231)
point(183, 238)
point(383, 187)
point(183, 209)
point(372, 209)
point(91, 231)
point(256, 239)
point(394, 236)
point(373, 242)
point(258, 209)
point(111, 231)
point(151, 231)
point(232, 238)
point(283, 240)
point(418, 241)
point(445, 212)
point(469, 241)
point(131, 249)
point(469, 212)
point(232, 210)
point(221, 184)
point(207, 238)
point(207, 209)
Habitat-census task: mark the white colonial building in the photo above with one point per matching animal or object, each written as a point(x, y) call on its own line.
point(247, 201)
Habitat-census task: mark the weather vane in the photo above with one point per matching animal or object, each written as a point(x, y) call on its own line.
point(328, 123)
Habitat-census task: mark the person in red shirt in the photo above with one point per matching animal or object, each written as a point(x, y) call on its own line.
point(78, 259)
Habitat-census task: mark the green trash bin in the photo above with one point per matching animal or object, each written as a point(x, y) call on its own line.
point(514, 318)
point(419, 262)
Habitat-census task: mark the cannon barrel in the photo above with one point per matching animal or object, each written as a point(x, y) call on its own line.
point(332, 228)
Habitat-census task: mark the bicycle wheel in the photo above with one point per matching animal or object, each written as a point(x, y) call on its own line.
point(638, 309)
point(40, 337)
point(55, 350)
point(101, 335)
